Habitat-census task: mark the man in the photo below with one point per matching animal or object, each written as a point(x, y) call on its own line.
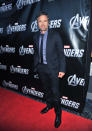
point(49, 62)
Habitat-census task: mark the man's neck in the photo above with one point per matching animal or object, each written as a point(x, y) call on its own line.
point(43, 32)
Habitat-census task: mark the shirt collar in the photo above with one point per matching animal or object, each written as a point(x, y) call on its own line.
point(45, 33)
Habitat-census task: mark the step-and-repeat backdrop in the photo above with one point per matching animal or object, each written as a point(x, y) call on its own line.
point(17, 25)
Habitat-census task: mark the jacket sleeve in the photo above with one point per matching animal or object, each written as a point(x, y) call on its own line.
point(60, 51)
point(35, 56)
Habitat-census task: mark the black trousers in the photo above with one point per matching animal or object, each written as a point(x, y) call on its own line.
point(50, 84)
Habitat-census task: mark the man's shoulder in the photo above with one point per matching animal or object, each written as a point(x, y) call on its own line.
point(35, 34)
point(54, 32)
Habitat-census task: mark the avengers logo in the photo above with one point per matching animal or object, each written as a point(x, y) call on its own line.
point(10, 85)
point(34, 26)
point(21, 3)
point(28, 51)
point(32, 91)
point(73, 80)
point(76, 22)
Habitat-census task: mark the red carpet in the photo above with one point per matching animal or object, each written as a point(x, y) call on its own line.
point(19, 113)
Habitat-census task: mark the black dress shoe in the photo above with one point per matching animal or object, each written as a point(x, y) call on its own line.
point(57, 121)
point(45, 110)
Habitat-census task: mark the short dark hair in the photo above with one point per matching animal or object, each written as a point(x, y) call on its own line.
point(42, 13)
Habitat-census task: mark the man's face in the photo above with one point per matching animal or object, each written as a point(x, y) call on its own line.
point(43, 22)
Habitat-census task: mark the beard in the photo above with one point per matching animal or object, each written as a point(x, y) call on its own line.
point(45, 29)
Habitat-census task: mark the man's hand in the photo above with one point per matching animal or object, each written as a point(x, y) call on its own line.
point(61, 74)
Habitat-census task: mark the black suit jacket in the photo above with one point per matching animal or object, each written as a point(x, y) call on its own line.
point(54, 51)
